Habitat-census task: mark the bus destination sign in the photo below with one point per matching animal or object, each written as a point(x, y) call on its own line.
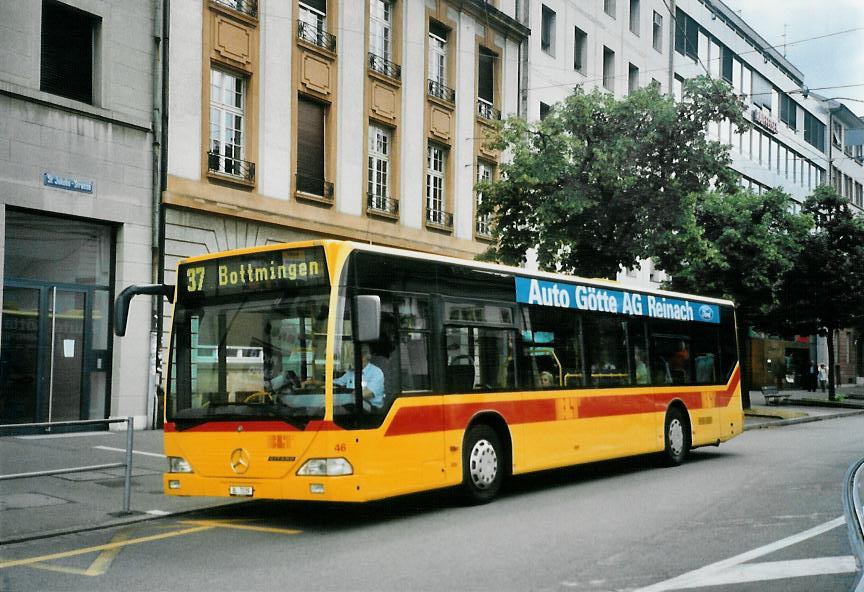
point(258, 272)
point(599, 299)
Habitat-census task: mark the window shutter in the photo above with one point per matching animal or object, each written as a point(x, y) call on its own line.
point(310, 146)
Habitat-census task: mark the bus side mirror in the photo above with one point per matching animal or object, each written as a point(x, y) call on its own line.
point(368, 317)
point(121, 307)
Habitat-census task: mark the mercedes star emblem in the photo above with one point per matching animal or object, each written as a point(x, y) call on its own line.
point(240, 461)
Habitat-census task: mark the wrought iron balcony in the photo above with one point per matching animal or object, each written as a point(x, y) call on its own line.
point(439, 218)
point(228, 165)
point(486, 110)
point(438, 90)
point(249, 7)
point(316, 36)
point(318, 188)
point(385, 67)
point(382, 204)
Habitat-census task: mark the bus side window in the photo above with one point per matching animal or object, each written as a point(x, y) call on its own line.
point(414, 338)
point(551, 348)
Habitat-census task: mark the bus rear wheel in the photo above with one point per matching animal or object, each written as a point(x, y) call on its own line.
point(482, 465)
point(677, 438)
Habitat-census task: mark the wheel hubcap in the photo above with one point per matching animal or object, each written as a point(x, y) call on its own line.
point(483, 464)
point(676, 437)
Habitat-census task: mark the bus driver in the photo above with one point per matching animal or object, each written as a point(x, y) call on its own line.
point(373, 379)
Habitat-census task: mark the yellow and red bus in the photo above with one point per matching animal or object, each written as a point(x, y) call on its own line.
point(331, 370)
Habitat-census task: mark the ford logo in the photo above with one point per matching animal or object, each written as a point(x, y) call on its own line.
point(705, 312)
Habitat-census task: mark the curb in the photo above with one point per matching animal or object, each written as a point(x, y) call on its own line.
point(142, 517)
point(808, 419)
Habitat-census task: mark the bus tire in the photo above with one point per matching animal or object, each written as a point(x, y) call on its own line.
point(482, 465)
point(676, 437)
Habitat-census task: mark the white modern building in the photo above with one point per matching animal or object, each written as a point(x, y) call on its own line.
point(76, 206)
point(798, 138)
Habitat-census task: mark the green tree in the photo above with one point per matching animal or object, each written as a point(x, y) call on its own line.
point(824, 289)
point(601, 183)
point(747, 245)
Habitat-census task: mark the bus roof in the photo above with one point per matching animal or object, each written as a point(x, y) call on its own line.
point(493, 267)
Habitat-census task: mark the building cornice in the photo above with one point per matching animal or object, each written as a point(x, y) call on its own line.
point(488, 14)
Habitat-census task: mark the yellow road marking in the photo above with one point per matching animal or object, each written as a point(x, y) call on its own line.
point(105, 547)
point(226, 524)
point(101, 564)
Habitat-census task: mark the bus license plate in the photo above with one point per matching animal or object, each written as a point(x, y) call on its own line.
point(240, 490)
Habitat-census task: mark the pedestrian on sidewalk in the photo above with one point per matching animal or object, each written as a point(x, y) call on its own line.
point(823, 377)
point(810, 378)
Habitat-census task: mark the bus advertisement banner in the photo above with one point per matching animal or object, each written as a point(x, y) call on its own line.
point(599, 299)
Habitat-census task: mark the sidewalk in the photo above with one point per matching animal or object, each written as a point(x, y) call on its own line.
point(801, 407)
point(46, 506)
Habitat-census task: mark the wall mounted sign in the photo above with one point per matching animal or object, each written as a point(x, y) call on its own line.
point(51, 180)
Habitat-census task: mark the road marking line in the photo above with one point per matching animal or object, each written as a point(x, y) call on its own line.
point(141, 452)
point(105, 547)
point(103, 561)
point(700, 577)
point(780, 570)
point(226, 524)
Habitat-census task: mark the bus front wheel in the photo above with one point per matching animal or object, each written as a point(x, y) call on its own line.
point(482, 464)
point(677, 437)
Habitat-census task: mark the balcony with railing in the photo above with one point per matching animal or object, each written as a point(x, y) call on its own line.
point(247, 7)
point(316, 36)
point(439, 91)
point(439, 219)
point(485, 110)
point(313, 189)
point(382, 205)
point(225, 166)
point(385, 67)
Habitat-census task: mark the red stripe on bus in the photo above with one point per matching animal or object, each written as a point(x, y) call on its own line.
point(432, 418)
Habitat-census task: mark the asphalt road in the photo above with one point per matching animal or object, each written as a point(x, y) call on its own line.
point(762, 512)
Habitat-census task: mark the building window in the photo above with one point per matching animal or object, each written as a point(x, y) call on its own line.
point(312, 19)
point(814, 130)
point(311, 119)
point(686, 35)
point(378, 187)
point(859, 195)
point(580, 49)
point(438, 77)
point(788, 111)
point(67, 51)
point(609, 7)
point(381, 29)
point(634, 17)
point(436, 162)
point(608, 69)
point(484, 175)
point(632, 79)
point(657, 32)
point(678, 87)
point(227, 113)
point(486, 85)
point(837, 134)
point(761, 91)
point(544, 110)
point(727, 57)
point(547, 31)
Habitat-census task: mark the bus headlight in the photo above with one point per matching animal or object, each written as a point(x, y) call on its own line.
point(178, 465)
point(328, 467)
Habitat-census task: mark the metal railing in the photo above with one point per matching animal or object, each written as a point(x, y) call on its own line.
point(439, 217)
point(439, 91)
point(314, 186)
point(316, 36)
point(127, 485)
point(249, 7)
point(385, 67)
point(228, 165)
point(486, 110)
point(382, 204)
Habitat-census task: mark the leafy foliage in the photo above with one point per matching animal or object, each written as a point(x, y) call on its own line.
point(601, 183)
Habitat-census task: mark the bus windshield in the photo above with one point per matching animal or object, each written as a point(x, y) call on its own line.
point(250, 357)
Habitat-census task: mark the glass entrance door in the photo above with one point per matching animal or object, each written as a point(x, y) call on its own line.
point(19, 355)
point(66, 314)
